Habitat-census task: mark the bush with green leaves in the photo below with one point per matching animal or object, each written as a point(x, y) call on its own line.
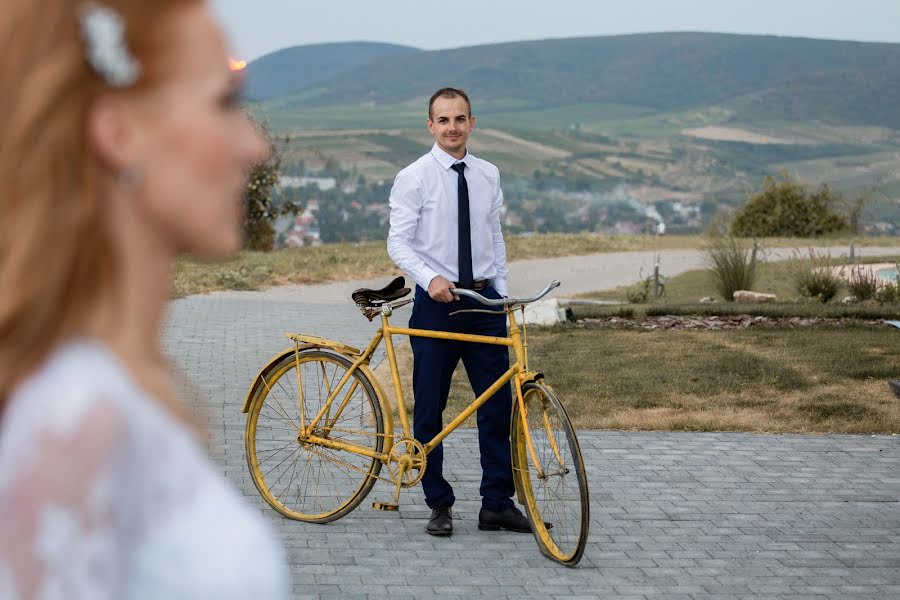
point(733, 264)
point(815, 277)
point(787, 208)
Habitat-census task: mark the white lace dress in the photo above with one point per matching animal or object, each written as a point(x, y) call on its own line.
point(103, 495)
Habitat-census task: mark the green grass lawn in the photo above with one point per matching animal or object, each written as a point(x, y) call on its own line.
point(815, 379)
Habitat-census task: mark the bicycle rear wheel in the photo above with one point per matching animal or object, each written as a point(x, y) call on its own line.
point(549, 473)
point(303, 480)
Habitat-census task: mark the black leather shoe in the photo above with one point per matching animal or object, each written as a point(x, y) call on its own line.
point(441, 522)
point(510, 519)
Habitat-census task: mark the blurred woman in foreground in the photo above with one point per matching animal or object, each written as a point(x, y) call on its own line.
point(122, 144)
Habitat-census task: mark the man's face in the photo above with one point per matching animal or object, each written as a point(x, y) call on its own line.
point(451, 124)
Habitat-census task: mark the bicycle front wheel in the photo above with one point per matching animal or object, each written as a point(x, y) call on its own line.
point(303, 480)
point(550, 476)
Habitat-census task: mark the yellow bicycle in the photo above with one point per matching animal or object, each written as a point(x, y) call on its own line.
point(320, 428)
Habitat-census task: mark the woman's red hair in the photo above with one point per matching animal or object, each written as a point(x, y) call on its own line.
point(56, 253)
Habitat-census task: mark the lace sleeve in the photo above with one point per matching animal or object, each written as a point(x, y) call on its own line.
point(62, 525)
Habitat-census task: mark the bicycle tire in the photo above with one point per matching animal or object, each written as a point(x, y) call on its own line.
point(551, 480)
point(340, 480)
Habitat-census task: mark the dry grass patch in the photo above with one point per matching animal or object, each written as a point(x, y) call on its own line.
point(254, 270)
point(778, 277)
point(336, 262)
point(822, 379)
point(341, 262)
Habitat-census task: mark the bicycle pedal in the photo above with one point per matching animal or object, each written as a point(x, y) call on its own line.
point(386, 506)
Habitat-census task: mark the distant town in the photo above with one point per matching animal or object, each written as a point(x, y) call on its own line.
point(354, 210)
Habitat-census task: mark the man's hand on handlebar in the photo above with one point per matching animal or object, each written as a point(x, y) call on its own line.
point(505, 300)
point(439, 290)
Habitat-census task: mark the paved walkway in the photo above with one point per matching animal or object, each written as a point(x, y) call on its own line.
point(674, 515)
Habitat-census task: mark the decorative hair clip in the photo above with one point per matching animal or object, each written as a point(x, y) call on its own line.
point(107, 52)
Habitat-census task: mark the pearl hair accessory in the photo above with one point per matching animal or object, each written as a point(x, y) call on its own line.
point(107, 52)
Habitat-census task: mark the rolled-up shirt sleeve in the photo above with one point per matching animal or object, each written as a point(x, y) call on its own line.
point(501, 279)
point(406, 206)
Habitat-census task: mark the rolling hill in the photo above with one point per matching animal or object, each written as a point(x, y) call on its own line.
point(753, 77)
point(662, 119)
point(293, 70)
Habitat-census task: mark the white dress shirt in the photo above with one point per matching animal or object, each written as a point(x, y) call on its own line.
point(423, 237)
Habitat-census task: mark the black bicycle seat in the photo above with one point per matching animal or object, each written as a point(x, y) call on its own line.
point(392, 291)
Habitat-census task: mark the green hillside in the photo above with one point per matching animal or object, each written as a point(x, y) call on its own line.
point(754, 77)
point(588, 131)
point(292, 70)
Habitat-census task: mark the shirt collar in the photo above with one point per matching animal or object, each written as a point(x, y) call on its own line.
point(445, 159)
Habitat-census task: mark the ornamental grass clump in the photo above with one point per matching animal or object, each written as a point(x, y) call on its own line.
point(862, 283)
point(733, 264)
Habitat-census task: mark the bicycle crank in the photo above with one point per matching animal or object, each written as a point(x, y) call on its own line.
point(406, 462)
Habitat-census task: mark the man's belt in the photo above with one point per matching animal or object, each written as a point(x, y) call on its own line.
point(477, 286)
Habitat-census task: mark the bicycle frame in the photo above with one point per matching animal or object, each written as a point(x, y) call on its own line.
point(518, 372)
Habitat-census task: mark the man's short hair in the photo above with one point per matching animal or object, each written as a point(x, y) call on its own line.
point(448, 92)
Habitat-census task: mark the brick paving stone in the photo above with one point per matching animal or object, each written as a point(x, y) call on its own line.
point(673, 515)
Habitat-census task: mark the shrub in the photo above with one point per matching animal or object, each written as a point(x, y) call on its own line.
point(733, 264)
point(889, 292)
point(862, 283)
point(787, 208)
point(259, 235)
point(814, 277)
point(639, 293)
point(259, 232)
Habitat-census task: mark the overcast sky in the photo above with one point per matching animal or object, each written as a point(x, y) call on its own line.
point(257, 27)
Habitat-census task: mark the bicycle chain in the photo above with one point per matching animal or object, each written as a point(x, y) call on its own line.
point(344, 463)
point(356, 431)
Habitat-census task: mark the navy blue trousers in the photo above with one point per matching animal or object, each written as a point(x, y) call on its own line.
point(433, 364)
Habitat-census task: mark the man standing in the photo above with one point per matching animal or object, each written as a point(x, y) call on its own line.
point(445, 232)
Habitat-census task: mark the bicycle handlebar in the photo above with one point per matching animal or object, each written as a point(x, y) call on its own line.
point(504, 301)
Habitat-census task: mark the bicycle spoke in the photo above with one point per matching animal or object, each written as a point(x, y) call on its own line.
point(552, 471)
point(305, 479)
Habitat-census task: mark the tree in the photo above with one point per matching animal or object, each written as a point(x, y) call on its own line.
point(787, 208)
point(259, 232)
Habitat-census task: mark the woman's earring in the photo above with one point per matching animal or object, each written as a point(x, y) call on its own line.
point(130, 177)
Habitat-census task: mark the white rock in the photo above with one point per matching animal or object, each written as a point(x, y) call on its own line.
point(848, 300)
point(707, 300)
point(753, 297)
point(545, 312)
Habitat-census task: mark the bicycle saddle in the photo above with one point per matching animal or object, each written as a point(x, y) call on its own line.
point(392, 291)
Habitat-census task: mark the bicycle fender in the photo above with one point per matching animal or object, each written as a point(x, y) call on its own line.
point(304, 342)
point(387, 413)
point(269, 365)
point(320, 342)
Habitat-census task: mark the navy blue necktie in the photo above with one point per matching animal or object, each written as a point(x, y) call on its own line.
point(465, 229)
